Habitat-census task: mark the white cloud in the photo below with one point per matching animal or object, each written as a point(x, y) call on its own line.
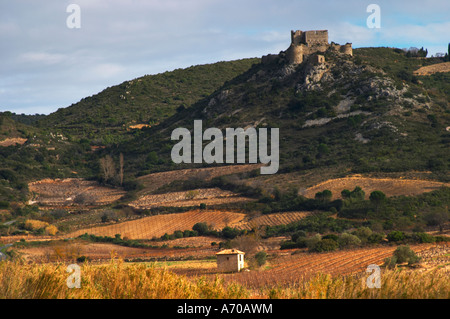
point(106, 70)
point(123, 39)
point(42, 57)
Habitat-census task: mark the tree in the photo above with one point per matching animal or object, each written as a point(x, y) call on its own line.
point(348, 240)
point(363, 233)
point(261, 258)
point(403, 254)
point(324, 196)
point(325, 245)
point(437, 218)
point(107, 167)
point(121, 169)
point(346, 194)
point(201, 228)
point(230, 233)
point(377, 198)
point(395, 236)
point(358, 193)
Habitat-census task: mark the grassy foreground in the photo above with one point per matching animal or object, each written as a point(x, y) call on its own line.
point(117, 280)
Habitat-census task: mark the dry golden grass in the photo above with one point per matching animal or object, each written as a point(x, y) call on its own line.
point(117, 280)
point(13, 141)
point(395, 284)
point(435, 68)
point(32, 224)
point(111, 281)
point(51, 230)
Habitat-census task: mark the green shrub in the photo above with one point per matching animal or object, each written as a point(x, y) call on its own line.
point(396, 236)
point(424, 238)
point(363, 233)
point(331, 236)
point(375, 238)
point(178, 234)
point(261, 258)
point(201, 228)
point(403, 254)
point(311, 242)
point(288, 244)
point(348, 240)
point(297, 235)
point(325, 245)
point(4, 205)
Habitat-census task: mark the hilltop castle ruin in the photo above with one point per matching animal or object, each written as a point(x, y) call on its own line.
point(309, 45)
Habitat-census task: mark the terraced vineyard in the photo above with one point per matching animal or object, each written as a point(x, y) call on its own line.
point(154, 181)
point(273, 219)
point(390, 186)
point(304, 265)
point(195, 197)
point(156, 226)
point(72, 192)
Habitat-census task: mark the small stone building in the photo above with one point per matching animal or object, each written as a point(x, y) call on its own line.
point(318, 59)
point(230, 260)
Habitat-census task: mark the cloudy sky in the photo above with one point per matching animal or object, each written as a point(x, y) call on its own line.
point(45, 65)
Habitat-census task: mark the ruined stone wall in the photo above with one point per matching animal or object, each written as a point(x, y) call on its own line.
point(316, 37)
point(347, 49)
point(306, 43)
point(294, 54)
point(317, 59)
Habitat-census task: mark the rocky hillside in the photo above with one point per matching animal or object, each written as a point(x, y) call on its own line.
point(355, 114)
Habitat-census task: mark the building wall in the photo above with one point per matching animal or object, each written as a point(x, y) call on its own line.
point(316, 36)
point(228, 263)
point(294, 54)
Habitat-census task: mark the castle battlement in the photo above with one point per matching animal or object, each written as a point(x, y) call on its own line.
point(306, 43)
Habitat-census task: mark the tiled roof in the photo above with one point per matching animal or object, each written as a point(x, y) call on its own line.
point(230, 252)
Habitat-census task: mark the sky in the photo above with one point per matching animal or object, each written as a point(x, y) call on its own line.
point(50, 59)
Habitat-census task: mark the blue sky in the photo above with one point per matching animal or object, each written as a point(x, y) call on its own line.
point(44, 65)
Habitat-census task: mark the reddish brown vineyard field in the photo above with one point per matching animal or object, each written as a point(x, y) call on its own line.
point(103, 252)
point(156, 226)
point(289, 269)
